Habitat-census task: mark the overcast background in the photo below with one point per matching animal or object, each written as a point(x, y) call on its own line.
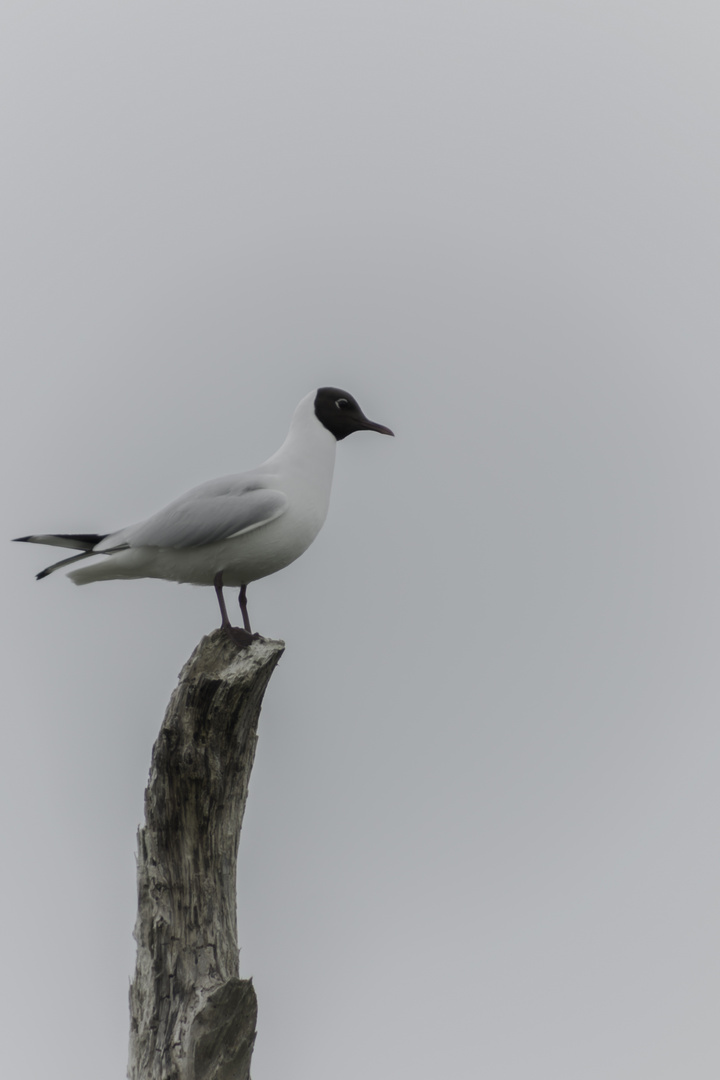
point(482, 833)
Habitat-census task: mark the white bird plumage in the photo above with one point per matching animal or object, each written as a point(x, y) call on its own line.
point(235, 529)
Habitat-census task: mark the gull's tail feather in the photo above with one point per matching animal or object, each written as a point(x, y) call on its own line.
point(85, 542)
point(81, 541)
point(64, 562)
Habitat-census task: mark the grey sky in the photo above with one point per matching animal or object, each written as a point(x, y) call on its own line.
point(482, 830)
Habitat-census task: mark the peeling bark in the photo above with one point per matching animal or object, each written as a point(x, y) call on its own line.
point(191, 1016)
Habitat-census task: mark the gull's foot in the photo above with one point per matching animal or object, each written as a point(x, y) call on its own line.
point(238, 636)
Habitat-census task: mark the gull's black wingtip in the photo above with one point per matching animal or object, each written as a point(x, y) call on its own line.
point(43, 573)
point(21, 539)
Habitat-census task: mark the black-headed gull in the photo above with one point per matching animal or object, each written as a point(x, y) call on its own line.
point(236, 529)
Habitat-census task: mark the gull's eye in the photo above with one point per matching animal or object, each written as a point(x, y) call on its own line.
point(341, 403)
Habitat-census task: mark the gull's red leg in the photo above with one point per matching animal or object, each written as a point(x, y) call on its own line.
point(242, 600)
point(241, 638)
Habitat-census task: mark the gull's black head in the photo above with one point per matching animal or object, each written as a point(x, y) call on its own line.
point(340, 413)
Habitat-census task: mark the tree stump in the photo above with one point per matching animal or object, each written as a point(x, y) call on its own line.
point(191, 1016)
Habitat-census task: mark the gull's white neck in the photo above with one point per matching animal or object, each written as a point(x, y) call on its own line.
point(308, 453)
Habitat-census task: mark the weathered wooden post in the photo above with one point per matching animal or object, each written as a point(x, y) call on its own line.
point(191, 1016)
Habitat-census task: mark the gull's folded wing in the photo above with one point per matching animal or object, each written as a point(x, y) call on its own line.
point(204, 517)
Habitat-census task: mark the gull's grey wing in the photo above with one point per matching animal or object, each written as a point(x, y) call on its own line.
point(210, 513)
